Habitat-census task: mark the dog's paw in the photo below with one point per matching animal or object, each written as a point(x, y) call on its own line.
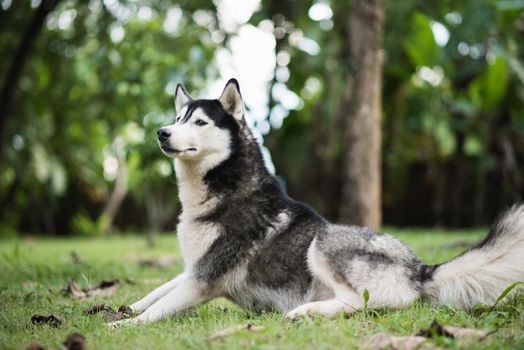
point(114, 325)
point(118, 324)
point(295, 314)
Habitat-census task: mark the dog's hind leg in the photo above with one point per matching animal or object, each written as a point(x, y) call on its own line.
point(189, 292)
point(156, 294)
point(346, 299)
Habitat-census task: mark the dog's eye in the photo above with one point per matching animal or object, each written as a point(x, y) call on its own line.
point(200, 122)
point(177, 120)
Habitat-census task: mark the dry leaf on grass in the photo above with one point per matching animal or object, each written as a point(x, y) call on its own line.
point(233, 329)
point(159, 263)
point(459, 332)
point(98, 308)
point(75, 341)
point(418, 341)
point(123, 311)
point(74, 290)
point(104, 288)
point(35, 346)
point(390, 342)
point(53, 320)
point(463, 335)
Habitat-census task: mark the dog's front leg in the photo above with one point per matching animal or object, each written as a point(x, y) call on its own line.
point(189, 292)
point(158, 293)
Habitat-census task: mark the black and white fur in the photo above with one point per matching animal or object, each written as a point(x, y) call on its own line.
point(243, 238)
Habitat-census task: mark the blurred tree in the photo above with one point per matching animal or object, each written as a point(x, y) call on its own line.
point(10, 83)
point(362, 119)
point(97, 86)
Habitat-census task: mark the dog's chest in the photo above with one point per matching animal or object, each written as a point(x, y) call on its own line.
point(195, 239)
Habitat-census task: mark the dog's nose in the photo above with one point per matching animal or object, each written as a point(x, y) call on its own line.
point(163, 134)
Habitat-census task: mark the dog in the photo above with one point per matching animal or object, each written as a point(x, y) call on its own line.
point(243, 238)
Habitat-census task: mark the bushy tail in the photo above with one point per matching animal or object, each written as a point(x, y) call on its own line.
point(481, 274)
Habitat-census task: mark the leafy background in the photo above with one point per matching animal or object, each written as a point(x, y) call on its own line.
point(80, 155)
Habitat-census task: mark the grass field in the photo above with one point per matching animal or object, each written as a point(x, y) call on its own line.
point(34, 270)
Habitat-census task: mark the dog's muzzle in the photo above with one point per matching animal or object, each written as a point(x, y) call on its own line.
point(163, 134)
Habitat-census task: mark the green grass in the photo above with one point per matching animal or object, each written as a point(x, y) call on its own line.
point(33, 271)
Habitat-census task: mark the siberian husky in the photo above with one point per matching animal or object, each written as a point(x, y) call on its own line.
point(243, 238)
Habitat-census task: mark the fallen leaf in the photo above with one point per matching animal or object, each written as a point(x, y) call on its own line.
point(75, 341)
point(124, 311)
point(233, 329)
point(466, 333)
point(35, 346)
point(98, 308)
point(434, 330)
point(437, 329)
point(418, 341)
point(391, 342)
point(104, 288)
point(53, 320)
point(159, 263)
point(74, 290)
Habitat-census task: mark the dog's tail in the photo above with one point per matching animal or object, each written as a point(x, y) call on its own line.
point(481, 274)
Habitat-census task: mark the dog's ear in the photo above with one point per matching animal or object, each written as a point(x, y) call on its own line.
point(231, 100)
point(181, 98)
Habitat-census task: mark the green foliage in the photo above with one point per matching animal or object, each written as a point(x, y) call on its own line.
point(88, 97)
point(365, 296)
point(488, 89)
point(506, 292)
point(420, 45)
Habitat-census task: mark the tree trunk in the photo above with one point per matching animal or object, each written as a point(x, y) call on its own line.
point(10, 84)
point(361, 192)
point(116, 198)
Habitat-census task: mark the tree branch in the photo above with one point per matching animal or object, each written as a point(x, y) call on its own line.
point(14, 72)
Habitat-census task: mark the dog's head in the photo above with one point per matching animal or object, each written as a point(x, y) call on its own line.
point(203, 129)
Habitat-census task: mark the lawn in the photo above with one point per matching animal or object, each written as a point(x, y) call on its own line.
point(34, 270)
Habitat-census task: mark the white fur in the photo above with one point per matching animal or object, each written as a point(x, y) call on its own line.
point(187, 293)
point(181, 97)
point(195, 237)
point(211, 144)
point(232, 101)
point(328, 308)
point(480, 275)
point(158, 293)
